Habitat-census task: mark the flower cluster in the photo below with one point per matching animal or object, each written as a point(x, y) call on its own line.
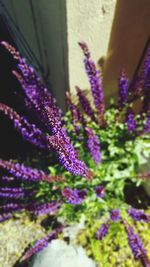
point(95, 83)
point(85, 104)
point(102, 231)
point(40, 209)
point(123, 90)
point(94, 132)
point(136, 245)
point(77, 117)
point(93, 145)
point(29, 132)
point(40, 244)
point(27, 173)
point(100, 191)
point(42, 101)
point(138, 215)
point(74, 196)
point(115, 215)
point(130, 121)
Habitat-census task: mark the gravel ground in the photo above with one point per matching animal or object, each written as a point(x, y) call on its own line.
point(15, 235)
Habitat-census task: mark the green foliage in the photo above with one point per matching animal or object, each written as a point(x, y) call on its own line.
point(113, 250)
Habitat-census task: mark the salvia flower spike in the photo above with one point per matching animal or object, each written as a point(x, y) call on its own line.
point(115, 215)
point(130, 121)
point(67, 155)
point(95, 80)
point(27, 173)
point(138, 215)
point(93, 145)
point(74, 196)
point(123, 90)
point(18, 192)
point(136, 245)
point(29, 132)
point(76, 116)
point(102, 231)
point(85, 104)
point(40, 244)
point(40, 209)
point(100, 191)
point(46, 107)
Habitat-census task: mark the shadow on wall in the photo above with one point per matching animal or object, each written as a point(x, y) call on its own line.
point(129, 34)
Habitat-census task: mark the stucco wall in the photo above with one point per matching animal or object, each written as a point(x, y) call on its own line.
point(91, 22)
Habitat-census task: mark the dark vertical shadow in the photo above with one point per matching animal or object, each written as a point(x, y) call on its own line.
point(129, 34)
point(52, 20)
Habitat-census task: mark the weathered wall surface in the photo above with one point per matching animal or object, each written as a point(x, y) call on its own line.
point(91, 22)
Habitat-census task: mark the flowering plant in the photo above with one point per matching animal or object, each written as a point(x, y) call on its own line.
point(99, 152)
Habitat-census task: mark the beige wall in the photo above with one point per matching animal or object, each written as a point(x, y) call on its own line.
point(91, 22)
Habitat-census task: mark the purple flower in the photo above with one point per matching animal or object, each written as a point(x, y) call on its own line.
point(135, 243)
point(40, 244)
point(46, 108)
point(93, 145)
point(123, 90)
point(4, 217)
point(37, 94)
point(130, 121)
point(147, 125)
point(100, 191)
point(102, 231)
point(27, 173)
point(10, 192)
point(138, 215)
point(67, 155)
point(77, 117)
point(85, 104)
point(10, 208)
point(95, 80)
point(8, 178)
point(29, 131)
point(115, 215)
point(40, 209)
point(74, 196)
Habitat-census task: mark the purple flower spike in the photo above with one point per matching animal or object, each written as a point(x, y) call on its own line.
point(29, 131)
point(130, 121)
point(85, 104)
point(103, 231)
point(138, 215)
point(40, 209)
point(136, 245)
point(10, 208)
point(27, 173)
point(100, 191)
point(147, 125)
point(95, 80)
point(123, 90)
point(37, 94)
point(115, 215)
point(77, 117)
point(74, 196)
point(67, 155)
point(93, 145)
point(4, 217)
point(9, 192)
point(39, 245)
